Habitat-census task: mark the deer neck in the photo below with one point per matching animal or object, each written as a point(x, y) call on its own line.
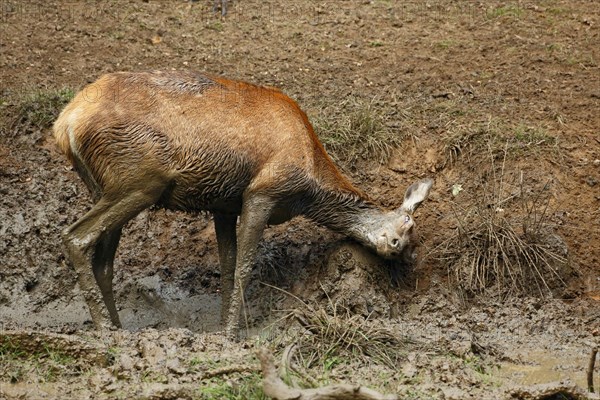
point(348, 212)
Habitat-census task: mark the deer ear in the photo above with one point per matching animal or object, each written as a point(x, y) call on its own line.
point(415, 194)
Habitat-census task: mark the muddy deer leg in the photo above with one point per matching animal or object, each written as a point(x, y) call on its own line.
point(102, 265)
point(82, 238)
point(227, 241)
point(78, 247)
point(255, 214)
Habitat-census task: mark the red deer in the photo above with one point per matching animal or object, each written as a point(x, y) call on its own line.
point(183, 141)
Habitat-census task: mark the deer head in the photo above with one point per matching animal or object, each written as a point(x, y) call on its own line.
point(395, 237)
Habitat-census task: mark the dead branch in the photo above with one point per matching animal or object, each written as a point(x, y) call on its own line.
point(287, 364)
point(275, 388)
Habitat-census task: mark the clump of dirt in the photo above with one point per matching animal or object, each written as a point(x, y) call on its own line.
point(434, 350)
point(350, 266)
point(146, 364)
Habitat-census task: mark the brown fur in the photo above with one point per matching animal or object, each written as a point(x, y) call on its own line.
point(189, 142)
point(233, 132)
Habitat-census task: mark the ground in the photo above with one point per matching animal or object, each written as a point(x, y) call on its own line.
point(497, 101)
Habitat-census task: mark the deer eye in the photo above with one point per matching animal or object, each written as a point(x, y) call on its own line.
point(406, 219)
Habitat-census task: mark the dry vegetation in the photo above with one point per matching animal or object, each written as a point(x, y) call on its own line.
point(33, 111)
point(504, 238)
point(337, 334)
point(357, 129)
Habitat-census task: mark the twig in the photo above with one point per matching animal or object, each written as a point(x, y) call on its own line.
point(275, 388)
point(288, 365)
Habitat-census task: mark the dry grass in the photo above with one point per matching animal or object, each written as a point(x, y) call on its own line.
point(504, 238)
point(357, 128)
point(498, 138)
point(336, 334)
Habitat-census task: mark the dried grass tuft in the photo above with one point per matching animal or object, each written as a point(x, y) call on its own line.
point(357, 128)
point(504, 238)
point(35, 110)
point(334, 334)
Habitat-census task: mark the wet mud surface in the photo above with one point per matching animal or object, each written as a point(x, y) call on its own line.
point(440, 67)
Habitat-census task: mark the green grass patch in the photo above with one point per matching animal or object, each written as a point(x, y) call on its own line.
point(528, 136)
point(248, 387)
point(35, 110)
point(554, 47)
point(555, 10)
point(215, 26)
point(150, 376)
point(446, 44)
point(42, 364)
point(509, 10)
point(201, 363)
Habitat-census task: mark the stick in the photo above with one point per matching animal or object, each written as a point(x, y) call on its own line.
point(275, 388)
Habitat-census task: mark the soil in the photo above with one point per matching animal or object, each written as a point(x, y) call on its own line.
point(439, 68)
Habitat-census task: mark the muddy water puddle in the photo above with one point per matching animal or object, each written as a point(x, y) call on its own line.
point(151, 302)
point(543, 366)
point(143, 302)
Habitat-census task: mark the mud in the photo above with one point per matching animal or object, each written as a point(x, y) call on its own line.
point(487, 352)
point(437, 68)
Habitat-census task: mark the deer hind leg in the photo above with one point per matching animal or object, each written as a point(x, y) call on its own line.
point(227, 242)
point(255, 214)
point(102, 266)
point(90, 245)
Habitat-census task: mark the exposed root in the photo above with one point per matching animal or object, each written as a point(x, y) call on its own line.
point(287, 364)
point(275, 388)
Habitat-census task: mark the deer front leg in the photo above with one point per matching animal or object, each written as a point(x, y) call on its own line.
point(255, 214)
point(227, 242)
